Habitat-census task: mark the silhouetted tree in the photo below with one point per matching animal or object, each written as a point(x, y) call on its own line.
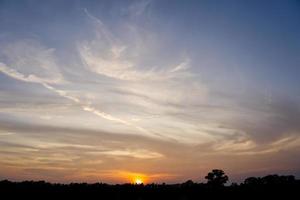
point(234, 185)
point(216, 177)
point(188, 183)
point(276, 179)
point(252, 181)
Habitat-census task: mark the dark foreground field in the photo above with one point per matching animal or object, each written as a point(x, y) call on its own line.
point(268, 187)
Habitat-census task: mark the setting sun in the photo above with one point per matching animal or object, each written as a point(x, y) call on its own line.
point(138, 181)
point(133, 177)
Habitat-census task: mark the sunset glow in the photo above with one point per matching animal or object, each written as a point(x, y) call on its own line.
point(138, 181)
point(143, 91)
point(137, 178)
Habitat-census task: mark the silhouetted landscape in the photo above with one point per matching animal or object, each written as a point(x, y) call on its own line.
point(149, 99)
point(270, 186)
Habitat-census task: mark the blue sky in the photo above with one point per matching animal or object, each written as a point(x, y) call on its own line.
point(167, 90)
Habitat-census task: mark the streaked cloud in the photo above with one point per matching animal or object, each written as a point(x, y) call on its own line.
point(117, 90)
point(140, 153)
point(31, 62)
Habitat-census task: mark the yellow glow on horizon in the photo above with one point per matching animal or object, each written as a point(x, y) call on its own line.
point(138, 181)
point(136, 178)
point(116, 176)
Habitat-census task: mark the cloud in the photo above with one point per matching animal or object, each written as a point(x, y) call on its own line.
point(69, 146)
point(89, 108)
point(31, 62)
point(117, 67)
point(147, 89)
point(6, 133)
point(133, 93)
point(267, 121)
point(43, 65)
point(138, 153)
point(16, 75)
point(138, 8)
point(106, 55)
point(249, 147)
point(182, 66)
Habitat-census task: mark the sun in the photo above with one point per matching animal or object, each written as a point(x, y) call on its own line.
point(138, 181)
point(136, 178)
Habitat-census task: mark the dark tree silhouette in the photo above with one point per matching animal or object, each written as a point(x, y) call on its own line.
point(188, 183)
point(254, 181)
point(267, 187)
point(216, 177)
point(269, 180)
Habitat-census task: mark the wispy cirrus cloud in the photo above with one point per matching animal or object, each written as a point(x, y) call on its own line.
point(38, 68)
point(29, 61)
point(111, 88)
point(108, 56)
point(138, 153)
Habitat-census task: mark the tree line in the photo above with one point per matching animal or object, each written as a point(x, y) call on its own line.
point(270, 186)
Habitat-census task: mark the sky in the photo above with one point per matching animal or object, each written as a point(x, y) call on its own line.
point(159, 90)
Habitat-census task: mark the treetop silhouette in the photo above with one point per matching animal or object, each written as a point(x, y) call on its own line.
point(216, 177)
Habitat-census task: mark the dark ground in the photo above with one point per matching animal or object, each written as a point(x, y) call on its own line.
point(268, 187)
